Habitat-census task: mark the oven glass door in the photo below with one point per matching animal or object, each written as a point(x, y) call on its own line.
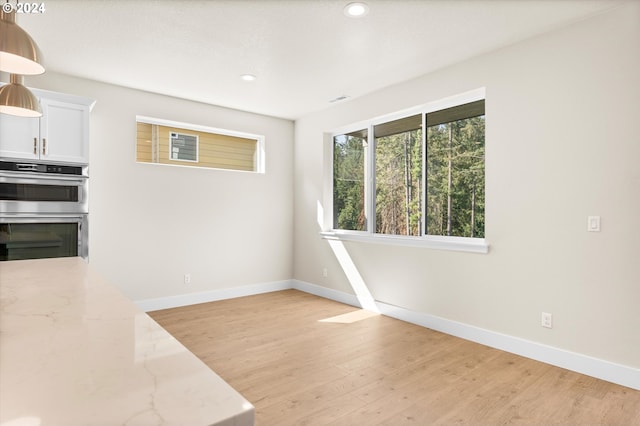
point(29, 194)
point(42, 238)
point(36, 192)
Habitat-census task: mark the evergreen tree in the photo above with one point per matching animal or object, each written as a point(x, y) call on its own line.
point(455, 178)
point(454, 201)
point(348, 183)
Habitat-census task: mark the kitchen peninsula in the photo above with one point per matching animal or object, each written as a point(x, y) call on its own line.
point(75, 351)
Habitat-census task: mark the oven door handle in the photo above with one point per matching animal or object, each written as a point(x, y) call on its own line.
point(42, 218)
point(37, 179)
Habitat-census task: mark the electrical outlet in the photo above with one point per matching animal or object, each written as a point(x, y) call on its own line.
point(547, 320)
point(325, 272)
point(187, 278)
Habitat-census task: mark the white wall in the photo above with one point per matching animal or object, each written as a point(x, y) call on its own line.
point(150, 224)
point(562, 143)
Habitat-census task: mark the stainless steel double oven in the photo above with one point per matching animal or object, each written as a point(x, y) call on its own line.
point(43, 210)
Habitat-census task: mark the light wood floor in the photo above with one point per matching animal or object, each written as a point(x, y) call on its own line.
point(299, 370)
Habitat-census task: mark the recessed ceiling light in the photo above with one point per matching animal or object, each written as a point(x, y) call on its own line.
point(248, 77)
point(356, 10)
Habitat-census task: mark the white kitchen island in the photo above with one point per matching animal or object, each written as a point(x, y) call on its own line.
point(75, 351)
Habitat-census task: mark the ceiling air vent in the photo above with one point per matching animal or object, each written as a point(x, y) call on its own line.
point(183, 147)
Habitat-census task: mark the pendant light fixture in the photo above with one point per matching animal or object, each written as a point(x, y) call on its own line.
point(19, 55)
point(16, 99)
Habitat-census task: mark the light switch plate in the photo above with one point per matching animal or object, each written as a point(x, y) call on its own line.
point(593, 223)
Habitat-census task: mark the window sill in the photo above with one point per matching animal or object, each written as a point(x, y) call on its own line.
point(472, 245)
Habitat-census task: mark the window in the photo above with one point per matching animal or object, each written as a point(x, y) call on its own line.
point(166, 142)
point(183, 147)
point(398, 171)
point(455, 171)
point(348, 181)
point(428, 183)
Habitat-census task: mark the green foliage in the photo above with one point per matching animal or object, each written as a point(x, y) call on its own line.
point(348, 183)
point(455, 176)
point(399, 184)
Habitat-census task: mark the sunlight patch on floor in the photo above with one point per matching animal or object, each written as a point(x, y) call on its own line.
point(351, 317)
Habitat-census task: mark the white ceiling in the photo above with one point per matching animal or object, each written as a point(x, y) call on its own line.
point(304, 52)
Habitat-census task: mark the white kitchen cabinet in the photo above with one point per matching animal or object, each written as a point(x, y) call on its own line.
point(61, 135)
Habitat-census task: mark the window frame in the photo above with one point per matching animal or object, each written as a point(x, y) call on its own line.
point(455, 243)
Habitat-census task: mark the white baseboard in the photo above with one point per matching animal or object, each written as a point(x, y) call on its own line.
point(327, 293)
point(149, 305)
point(584, 364)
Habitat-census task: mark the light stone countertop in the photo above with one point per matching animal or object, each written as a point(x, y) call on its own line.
point(75, 351)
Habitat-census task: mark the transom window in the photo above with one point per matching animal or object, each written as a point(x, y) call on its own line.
point(180, 144)
point(394, 178)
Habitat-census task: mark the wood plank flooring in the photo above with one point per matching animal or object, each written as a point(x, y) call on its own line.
point(297, 369)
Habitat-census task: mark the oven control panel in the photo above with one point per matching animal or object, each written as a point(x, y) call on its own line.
point(40, 168)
